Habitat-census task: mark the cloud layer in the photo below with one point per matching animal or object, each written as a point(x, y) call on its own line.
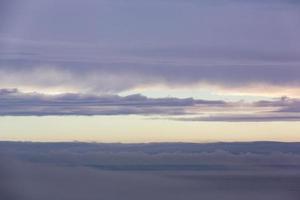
point(16, 103)
point(114, 46)
point(13, 102)
point(71, 171)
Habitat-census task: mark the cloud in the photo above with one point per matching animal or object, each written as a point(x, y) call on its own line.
point(117, 46)
point(71, 171)
point(16, 103)
point(117, 76)
point(242, 118)
point(13, 102)
point(163, 156)
point(282, 109)
point(114, 47)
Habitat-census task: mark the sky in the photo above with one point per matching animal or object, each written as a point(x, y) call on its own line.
point(144, 71)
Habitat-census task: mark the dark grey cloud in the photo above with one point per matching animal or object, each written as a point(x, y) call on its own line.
point(284, 109)
point(294, 108)
point(16, 103)
point(13, 102)
point(285, 105)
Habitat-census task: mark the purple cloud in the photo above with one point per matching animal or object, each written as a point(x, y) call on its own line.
point(115, 46)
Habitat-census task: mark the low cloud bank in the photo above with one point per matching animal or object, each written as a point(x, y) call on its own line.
point(74, 171)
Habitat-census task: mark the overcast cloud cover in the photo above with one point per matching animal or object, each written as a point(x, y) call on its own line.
point(102, 48)
point(116, 45)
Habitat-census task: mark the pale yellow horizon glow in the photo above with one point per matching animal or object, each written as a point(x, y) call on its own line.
point(251, 92)
point(137, 129)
